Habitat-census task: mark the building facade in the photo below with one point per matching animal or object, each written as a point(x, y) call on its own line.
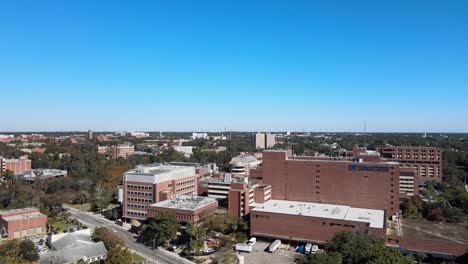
point(149, 184)
point(17, 166)
point(263, 140)
point(186, 208)
point(19, 223)
point(122, 151)
point(364, 182)
point(426, 161)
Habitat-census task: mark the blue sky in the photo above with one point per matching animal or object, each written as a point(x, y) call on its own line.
point(241, 65)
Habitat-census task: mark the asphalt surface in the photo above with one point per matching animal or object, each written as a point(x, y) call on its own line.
point(153, 256)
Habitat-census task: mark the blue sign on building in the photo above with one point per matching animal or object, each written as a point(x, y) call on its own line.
point(356, 167)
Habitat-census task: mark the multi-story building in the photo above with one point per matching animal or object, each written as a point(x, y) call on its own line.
point(263, 140)
point(186, 150)
point(17, 166)
point(104, 149)
point(90, 134)
point(363, 182)
point(426, 161)
point(243, 163)
point(243, 196)
point(22, 222)
point(199, 135)
point(149, 184)
point(122, 151)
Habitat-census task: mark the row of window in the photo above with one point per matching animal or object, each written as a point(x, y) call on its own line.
point(136, 206)
point(141, 200)
point(136, 213)
point(141, 187)
point(139, 193)
point(185, 182)
point(185, 188)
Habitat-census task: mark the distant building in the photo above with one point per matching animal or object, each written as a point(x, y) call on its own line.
point(90, 135)
point(122, 151)
point(38, 150)
point(7, 138)
point(186, 208)
point(44, 174)
point(139, 134)
point(73, 247)
point(263, 140)
point(19, 223)
point(104, 149)
point(17, 166)
point(149, 184)
point(243, 163)
point(186, 150)
point(199, 135)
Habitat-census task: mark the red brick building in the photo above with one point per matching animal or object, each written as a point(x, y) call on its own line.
point(17, 166)
point(364, 182)
point(185, 208)
point(22, 222)
point(318, 222)
point(243, 196)
point(149, 184)
point(426, 161)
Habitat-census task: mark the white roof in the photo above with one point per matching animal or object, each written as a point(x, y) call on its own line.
point(375, 218)
point(186, 202)
point(157, 173)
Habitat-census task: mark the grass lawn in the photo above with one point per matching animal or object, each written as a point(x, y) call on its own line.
point(82, 207)
point(136, 257)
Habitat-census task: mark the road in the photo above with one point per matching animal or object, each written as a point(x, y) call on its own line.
point(153, 256)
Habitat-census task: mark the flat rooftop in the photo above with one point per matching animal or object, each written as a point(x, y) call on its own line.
point(427, 230)
point(155, 173)
point(22, 216)
point(375, 218)
point(186, 202)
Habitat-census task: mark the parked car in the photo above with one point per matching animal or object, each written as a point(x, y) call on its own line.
point(208, 250)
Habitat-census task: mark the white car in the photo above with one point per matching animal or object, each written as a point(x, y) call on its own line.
point(208, 250)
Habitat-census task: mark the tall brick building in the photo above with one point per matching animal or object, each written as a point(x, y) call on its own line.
point(365, 182)
point(17, 166)
point(149, 184)
point(426, 161)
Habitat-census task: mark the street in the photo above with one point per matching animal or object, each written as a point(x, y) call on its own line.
point(153, 256)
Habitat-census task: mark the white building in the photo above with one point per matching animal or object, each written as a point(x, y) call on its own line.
point(186, 150)
point(243, 163)
point(199, 135)
point(263, 140)
point(44, 174)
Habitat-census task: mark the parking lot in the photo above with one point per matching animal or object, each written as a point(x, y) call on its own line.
point(40, 244)
point(260, 254)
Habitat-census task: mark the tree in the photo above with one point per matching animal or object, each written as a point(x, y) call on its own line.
point(27, 250)
point(109, 239)
point(359, 247)
point(8, 176)
point(196, 245)
point(321, 258)
point(225, 254)
point(160, 230)
point(116, 252)
point(118, 255)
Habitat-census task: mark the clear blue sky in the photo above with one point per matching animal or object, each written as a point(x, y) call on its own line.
point(243, 65)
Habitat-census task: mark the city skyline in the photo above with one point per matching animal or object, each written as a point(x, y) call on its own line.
point(207, 66)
